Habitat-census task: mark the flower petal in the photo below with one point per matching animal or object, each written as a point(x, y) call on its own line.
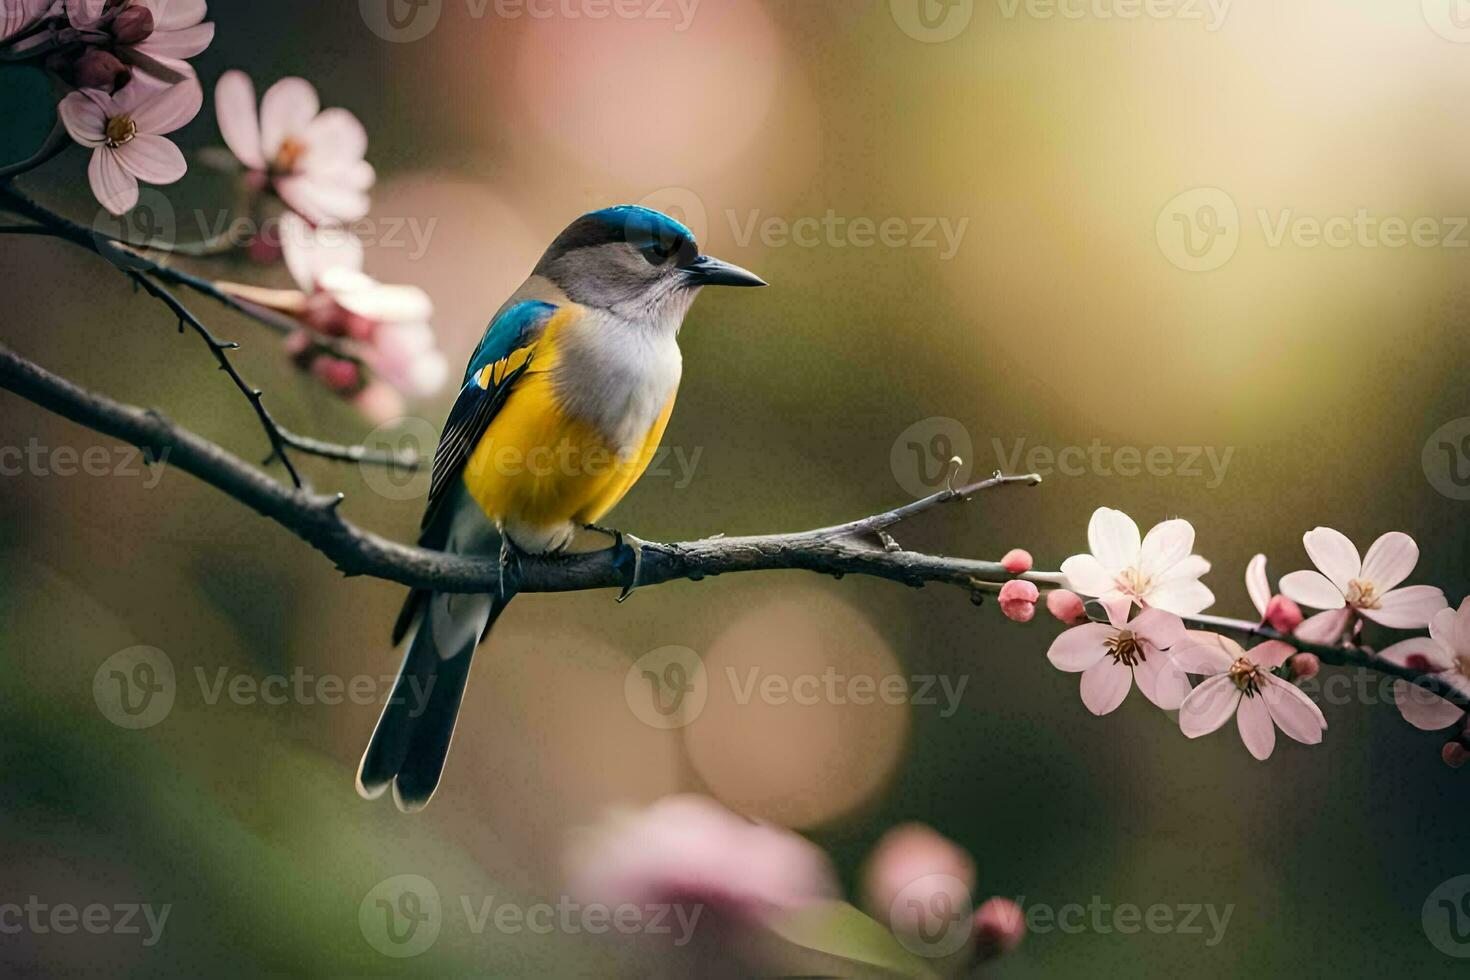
point(116, 189)
point(183, 43)
point(335, 140)
point(1334, 555)
point(1112, 537)
point(358, 176)
point(1423, 709)
point(1183, 597)
point(1272, 653)
point(239, 124)
point(1165, 545)
point(1257, 584)
point(175, 15)
point(1079, 648)
point(1161, 681)
point(1188, 567)
point(310, 253)
point(1294, 713)
point(288, 106)
point(84, 13)
point(1409, 608)
point(85, 118)
point(1206, 654)
point(1208, 706)
point(389, 304)
point(1410, 653)
point(1312, 589)
point(1104, 685)
point(1390, 560)
point(1256, 729)
point(1325, 627)
point(153, 159)
point(170, 109)
point(322, 202)
point(1086, 575)
point(1161, 629)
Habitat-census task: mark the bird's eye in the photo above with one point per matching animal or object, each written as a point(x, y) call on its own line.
point(655, 252)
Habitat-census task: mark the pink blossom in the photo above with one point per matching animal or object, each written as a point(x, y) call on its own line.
point(1445, 652)
point(1364, 585)
point(690, 849)
point(907, 854)
point(1281, 613)
point(1157, 572)
point(1241, 683)
point(1454, 755)
point(126, 133)
point(1017, 561)
point(1305, 666)
point(157, 36)
point(1066, 606)
point(312, 158)
point(1018, 600)
point(1111, 656)
point(1000, 925)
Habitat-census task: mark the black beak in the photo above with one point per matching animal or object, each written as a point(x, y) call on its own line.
point(710, 271)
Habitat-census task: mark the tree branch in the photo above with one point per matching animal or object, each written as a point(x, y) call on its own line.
point(853, 548)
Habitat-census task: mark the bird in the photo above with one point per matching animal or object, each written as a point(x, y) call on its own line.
point(562, 407)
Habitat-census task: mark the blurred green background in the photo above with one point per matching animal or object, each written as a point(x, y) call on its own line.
point(1066, 316)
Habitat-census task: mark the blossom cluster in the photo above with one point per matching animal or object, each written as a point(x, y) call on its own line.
point(1147, 586)
point(124, 68)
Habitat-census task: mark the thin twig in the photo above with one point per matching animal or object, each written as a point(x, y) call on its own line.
point(54, 145)
point(220, 349)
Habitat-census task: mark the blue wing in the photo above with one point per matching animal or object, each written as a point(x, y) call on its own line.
point(515, 329)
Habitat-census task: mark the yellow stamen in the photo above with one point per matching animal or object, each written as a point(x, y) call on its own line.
point(1362, 595)
point(289, 156)
point(120, 130)
point(1247, 676)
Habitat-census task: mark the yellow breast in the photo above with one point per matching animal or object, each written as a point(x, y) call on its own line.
point(537, 467)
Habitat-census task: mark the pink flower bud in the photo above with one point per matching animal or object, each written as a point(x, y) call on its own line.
point(101, 69)
point(379, 403)
point(1283, 614)
point(1000, 926)
point(911, 864)
point(134, 24)
point(1305, 666)
point(1454, 755)
point(1016, 561)
point(1018, 600)
point(264, 251)
point(1066, 606)
point(340, 375)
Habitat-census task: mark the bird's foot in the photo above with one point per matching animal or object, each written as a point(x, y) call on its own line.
point(510, 568)
point(630, 558)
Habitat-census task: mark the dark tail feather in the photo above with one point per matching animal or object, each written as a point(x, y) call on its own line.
point(411, 742)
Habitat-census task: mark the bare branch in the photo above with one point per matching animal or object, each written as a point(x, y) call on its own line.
point(835, 550)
